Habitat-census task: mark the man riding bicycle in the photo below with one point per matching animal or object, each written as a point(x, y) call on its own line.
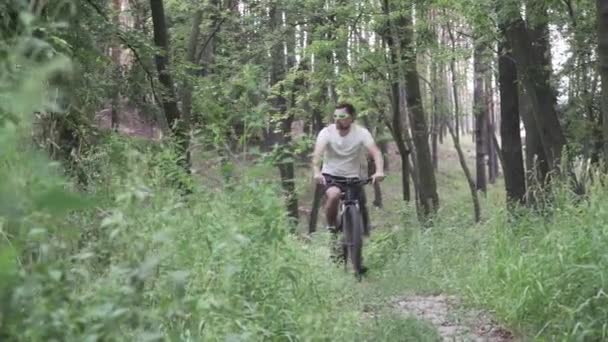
point(343, 146)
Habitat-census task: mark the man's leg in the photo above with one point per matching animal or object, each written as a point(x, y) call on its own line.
point(331, 205)
point(331, 214)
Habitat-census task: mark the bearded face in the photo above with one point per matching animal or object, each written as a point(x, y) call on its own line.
point(342, 119)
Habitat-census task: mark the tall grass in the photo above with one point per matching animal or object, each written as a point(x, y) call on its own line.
point(141, 262)
point(127, 257)
point(543, 274)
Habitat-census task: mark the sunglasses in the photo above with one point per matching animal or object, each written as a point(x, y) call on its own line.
point(341, 115)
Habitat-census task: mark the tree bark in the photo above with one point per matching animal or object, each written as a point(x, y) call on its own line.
point(281, 137)
point(116, 57)
point(467, 174)
point(536, 162)
point(435, 116)
point(371, 169)
point(513, 165)
point(383, 144)
point(479, 111)
point(404, 152)
point(435, 126)
point(490, 148)
point(320, 100)
point(161, 40)
point(316, 205)
point(602, 34)
point(429, 199)
point(531, 70)
point(396, 124)
point(169, 103)
point(191, 58)
point(454, 82)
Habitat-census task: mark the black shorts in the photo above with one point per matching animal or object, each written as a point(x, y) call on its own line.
point(342, 187)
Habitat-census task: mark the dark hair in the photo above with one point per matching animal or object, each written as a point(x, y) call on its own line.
point(350, 109)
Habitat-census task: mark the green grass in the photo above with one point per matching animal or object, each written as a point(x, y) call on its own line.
point(126, 257)
point(544, 276)
point(140, 262)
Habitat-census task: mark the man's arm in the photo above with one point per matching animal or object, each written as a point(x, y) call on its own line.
point(378, 161)
point(373, 149)
point(316, 158)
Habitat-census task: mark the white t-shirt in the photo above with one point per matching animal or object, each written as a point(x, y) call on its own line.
point(344, 155)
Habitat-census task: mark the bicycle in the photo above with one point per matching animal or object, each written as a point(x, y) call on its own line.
point(350, 222)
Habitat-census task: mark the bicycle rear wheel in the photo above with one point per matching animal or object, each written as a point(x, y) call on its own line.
point(353, 235)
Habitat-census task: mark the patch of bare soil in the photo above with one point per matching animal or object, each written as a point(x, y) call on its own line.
point(452, 322)
point(131, 123)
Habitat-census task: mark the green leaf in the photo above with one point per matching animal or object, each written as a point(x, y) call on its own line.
point(8, 267)
point(58, 201)
point(55, 275)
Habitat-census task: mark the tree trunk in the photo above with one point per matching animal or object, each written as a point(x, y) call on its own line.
point(316, 205)
point(454, 82)
point(281, 138)
point(435, 126)
point(435, 116)
point(537, 167)
point(191, 58)
point(513, 167)
point(161, 40)
point(409, 144)
point(479, 111)
point(404, 152)
point(383, 145)
point(602, 34)
point(169, 103)
point(396, 123)
point(467, 174)
point(371, 169)
point(490, 148)
point(429, 199)
point(531, 70)
point(116, 57)
point(317, 125)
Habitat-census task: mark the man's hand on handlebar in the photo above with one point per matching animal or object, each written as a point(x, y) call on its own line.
point(377, 177)
point(318, 177)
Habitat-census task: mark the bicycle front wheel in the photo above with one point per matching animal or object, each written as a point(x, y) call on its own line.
point(353, 233)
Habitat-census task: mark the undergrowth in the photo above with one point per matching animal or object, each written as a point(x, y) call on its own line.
point(542, 272)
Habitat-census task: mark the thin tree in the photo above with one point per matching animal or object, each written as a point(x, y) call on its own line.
point(280, 137)
point(429, 200)
point(602, 36)
point(169, 102)
point(480, 114)
point(191, 59)
point(454, 79)
point(116, 59)
point(396, 125)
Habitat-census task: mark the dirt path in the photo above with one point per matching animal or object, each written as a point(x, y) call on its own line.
point(452, 322)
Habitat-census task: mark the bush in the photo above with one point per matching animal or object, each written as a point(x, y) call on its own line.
point(142, 262)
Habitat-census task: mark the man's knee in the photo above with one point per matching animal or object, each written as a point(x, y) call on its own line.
point(333, 194)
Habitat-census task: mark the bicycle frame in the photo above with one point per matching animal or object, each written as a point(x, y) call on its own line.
point(352, 243)
point(350, 196)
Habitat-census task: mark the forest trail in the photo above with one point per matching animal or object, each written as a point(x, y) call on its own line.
point(452, 321)
point(446, 313)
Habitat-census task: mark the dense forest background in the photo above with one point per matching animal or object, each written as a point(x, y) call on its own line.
point(155, 180)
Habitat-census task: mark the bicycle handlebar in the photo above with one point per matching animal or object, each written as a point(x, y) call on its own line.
point(352, 181)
